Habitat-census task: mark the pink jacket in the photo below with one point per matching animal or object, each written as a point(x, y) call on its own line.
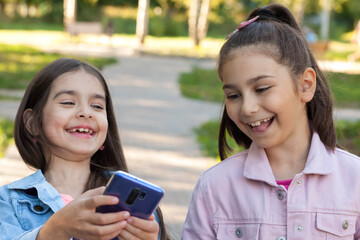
point(239, 199)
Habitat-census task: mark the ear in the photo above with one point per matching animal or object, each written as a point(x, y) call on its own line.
point(307, 85)
point(28, 119)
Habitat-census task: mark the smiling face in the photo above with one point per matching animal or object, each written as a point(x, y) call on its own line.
point(262, 100)
point(74, 117)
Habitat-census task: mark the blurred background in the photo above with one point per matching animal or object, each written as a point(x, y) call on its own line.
point(159, 58)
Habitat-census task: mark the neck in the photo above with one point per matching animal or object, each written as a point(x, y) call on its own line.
point(68, 177)
point(290, 158)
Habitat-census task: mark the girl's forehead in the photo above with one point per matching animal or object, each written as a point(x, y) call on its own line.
point(254, 50)
point(79, 80)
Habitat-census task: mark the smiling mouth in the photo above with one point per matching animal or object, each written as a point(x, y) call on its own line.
point(81, 130)
point(260, 122)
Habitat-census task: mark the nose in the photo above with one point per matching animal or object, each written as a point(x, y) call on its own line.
point(84, 112)
point(249, 106)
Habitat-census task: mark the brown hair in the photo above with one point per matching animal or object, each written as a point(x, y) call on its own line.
point(277, 32)
point(32, 152)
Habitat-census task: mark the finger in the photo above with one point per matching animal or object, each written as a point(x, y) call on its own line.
point(94, 192)
point(152, 217)
point(96, 201)
point(108, 218)
point(120, 237)
point(107, 231)
point(124, 235)
point(136, 224)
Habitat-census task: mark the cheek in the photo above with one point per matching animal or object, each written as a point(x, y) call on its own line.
point(52, 126)
point(233, 112)
point(103, 125)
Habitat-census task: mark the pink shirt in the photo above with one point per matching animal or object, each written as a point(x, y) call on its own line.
point(66, 198)
point(285, 183)
point(240, 199)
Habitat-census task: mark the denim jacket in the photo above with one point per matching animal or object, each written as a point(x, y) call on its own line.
point(25, 206)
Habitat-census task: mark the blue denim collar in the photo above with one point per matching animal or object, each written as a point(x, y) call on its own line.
point(46, 192)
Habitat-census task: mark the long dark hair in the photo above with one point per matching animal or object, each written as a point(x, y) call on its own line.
point(32, 151)
point(277, 32)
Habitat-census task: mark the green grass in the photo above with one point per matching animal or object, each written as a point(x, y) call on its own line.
point(201, 84)
point(6, 134)
point(345, 89)
point(19, 64)
point(207, 135)
point(348, 135)
point(204, 84)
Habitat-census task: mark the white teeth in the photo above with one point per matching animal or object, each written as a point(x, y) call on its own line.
point(257, 123)
point(81, 130)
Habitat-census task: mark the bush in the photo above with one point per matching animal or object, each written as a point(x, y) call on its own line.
point(207, 136)
point(201, 84)
point(6, 134)
point(19, 64)
point(348, 135)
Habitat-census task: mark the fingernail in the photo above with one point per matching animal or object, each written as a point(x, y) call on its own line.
point(130, 220)
point(126, 214)
point(115, 200)
point(123, 224)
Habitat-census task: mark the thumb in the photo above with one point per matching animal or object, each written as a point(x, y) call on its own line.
point(152, 217)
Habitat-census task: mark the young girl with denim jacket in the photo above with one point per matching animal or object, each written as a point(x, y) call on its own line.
point(66, 128)
point(291, 181)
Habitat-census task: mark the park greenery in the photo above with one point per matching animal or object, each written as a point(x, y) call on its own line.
point(19, 64)
point(168, 34)
point(171, 17)
point(6, 134)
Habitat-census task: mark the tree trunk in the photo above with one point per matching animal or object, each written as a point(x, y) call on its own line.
point(325, 19)
point(203, 19)
point(194, 12)
point(299, 9)
point(69, 13)
point(142, 21)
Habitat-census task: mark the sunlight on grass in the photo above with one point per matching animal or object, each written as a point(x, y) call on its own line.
point(6, 134)
point(123, 12)
point(181, 46)
point(339, 51)
point(19, 64)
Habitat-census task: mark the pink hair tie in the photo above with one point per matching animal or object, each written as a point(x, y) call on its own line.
point(242, 25)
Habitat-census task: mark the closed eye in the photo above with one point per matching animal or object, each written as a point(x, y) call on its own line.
point(232, 96)
point(261, 90)
point(67, 103)
point(97, 106)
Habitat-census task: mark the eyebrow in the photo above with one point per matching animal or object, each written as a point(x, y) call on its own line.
point(74, 93)
point(250, 81)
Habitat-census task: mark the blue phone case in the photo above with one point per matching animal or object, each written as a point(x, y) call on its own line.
point(136, 195)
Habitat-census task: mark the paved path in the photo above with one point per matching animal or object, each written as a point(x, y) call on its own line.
point(155, 124)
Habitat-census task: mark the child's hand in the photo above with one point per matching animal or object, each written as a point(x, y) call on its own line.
point(78, 219)
point(138, 229)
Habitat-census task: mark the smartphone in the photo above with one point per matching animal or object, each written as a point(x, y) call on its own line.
point(136, 195)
